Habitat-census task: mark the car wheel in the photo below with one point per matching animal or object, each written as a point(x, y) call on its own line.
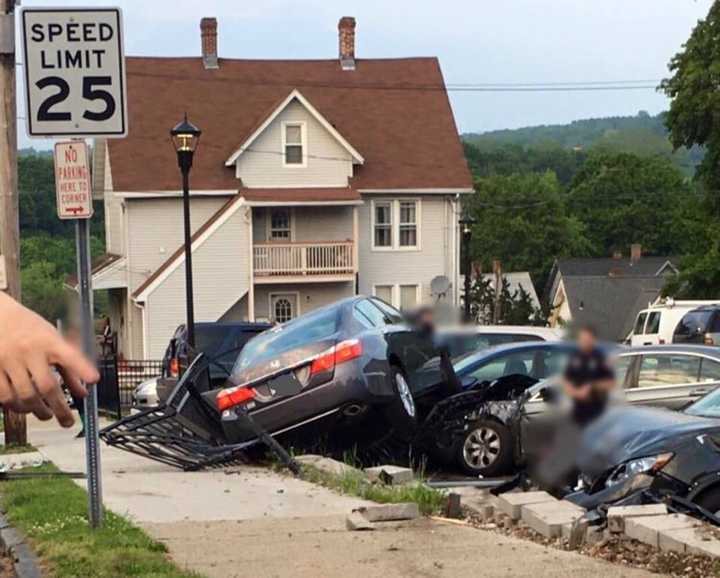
point(485, 449)
point(401, 412)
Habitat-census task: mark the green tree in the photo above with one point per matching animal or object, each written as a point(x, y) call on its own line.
point(624, 198)
point(517, 307)
point(42, 290)
point(694, 92)
point(522, 220)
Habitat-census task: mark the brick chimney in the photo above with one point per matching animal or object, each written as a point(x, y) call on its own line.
point(208, 36)
point(346, 37)
point(635, 252)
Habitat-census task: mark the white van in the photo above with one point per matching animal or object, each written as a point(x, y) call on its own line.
point(656, 324)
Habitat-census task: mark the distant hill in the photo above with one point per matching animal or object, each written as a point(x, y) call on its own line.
point(642, 134)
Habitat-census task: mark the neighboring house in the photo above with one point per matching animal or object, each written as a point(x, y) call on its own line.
point(313, 180)
point(606, 293)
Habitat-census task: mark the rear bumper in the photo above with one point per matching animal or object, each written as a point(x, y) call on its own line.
point(348, 386)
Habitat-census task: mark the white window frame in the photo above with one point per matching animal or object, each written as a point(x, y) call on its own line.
point(396, 292)
point(303, 143)
point(395, 225)
point(271, 296)
point(268, 225)
point(418, 294)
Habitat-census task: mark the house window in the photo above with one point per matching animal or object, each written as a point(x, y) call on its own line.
point(294, 144)
point(408, 297)
point(408, 223)
point(396, 224)
point(384, 292)
point(280, 224)
point(283, 307)
point(383, 224)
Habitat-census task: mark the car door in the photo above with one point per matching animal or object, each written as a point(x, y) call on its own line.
point(651, 334)
point(709, 377)
point(637, 335)
point(665, 379)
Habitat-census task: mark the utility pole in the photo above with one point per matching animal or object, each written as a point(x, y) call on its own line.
point(15, 425)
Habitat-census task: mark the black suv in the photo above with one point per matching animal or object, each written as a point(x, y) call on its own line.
point(220, 341)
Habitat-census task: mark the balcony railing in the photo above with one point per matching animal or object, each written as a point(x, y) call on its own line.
point(304, 259)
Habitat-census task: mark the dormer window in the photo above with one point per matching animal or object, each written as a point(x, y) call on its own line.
point(294, 140)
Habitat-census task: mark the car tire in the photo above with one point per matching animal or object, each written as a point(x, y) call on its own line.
point(401, 412)
point(485, 449)
point(710, 500)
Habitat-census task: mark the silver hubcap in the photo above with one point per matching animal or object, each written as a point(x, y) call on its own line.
point(405, 396)
point(481, 448)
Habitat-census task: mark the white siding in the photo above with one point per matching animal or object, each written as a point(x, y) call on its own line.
point(113, 206)
point(221, 277)
point(310, 224)
point(155, 231)
point(312, 296)
point(262, 166)
point(408, 267)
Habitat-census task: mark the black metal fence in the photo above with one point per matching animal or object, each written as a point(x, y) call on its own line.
point(118, 380)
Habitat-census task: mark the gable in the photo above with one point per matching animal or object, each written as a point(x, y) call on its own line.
point(328, 161)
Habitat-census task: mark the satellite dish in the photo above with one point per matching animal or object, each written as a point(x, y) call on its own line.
point(439, 286)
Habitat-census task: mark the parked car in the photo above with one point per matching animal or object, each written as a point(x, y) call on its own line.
point(701, 326)
point(666, 376)
point(346, 361)
point(221, 342)
point(472, 338)
point(656, 324)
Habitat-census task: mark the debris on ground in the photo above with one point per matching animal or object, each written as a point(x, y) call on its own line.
point(390, 475)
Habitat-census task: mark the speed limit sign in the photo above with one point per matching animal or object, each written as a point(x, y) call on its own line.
point(74, 72)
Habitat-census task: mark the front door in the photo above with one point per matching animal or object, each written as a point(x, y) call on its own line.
point(283, 307)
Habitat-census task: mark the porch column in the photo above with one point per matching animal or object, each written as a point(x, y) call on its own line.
point(356, 241)
point(251, 286)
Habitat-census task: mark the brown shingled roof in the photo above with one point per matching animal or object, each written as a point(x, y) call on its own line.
point(300, 195)
point(395, 111)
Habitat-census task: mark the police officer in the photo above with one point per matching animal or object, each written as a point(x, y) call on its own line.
point(589, 379)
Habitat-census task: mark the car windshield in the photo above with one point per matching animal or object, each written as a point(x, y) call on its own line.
point(708, 406)
point(693, 322)
point(314, 326)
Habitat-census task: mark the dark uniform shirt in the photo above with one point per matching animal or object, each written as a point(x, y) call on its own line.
point(589, 368)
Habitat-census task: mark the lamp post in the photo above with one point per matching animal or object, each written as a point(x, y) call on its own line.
point(185, 137)
point(466, 223)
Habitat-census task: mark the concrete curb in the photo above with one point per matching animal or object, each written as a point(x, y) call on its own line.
point(12, 543)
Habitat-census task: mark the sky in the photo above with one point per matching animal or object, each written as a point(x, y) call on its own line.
point(477, 41)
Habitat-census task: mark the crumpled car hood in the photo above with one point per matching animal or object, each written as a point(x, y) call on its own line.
point(624, 433)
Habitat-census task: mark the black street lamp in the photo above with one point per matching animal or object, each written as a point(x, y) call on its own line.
point(185, 137)
point(466, 223)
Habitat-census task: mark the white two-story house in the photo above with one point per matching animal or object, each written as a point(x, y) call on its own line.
point(313, 180)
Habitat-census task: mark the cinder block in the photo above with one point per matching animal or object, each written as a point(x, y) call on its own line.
point(548, 518)
point(390, 475)
point(617, 515)
point(355, 521)
point(327, 465)
point(647, 529)
point(390, 512)
point(690, 540)
point(512, 503)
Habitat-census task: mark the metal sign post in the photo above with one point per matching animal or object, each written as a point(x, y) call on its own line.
point(92, 438)
point(75, 87)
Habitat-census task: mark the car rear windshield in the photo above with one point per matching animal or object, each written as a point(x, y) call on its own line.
point(694, 322)
point(304, 330)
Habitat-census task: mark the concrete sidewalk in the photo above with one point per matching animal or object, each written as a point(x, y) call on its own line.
point(253, 522)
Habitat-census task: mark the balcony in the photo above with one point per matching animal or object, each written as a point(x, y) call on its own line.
point(304, 262)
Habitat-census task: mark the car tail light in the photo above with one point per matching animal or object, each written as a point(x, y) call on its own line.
point(228, 398)
point(336, 355)
point(174, 367)
point(708, 339)
point(662, 342)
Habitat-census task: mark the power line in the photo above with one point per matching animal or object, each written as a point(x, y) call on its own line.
point(589, 86)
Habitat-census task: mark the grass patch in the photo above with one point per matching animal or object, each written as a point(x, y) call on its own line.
point(16, 449)
point(354, 483)
point(52, 513)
